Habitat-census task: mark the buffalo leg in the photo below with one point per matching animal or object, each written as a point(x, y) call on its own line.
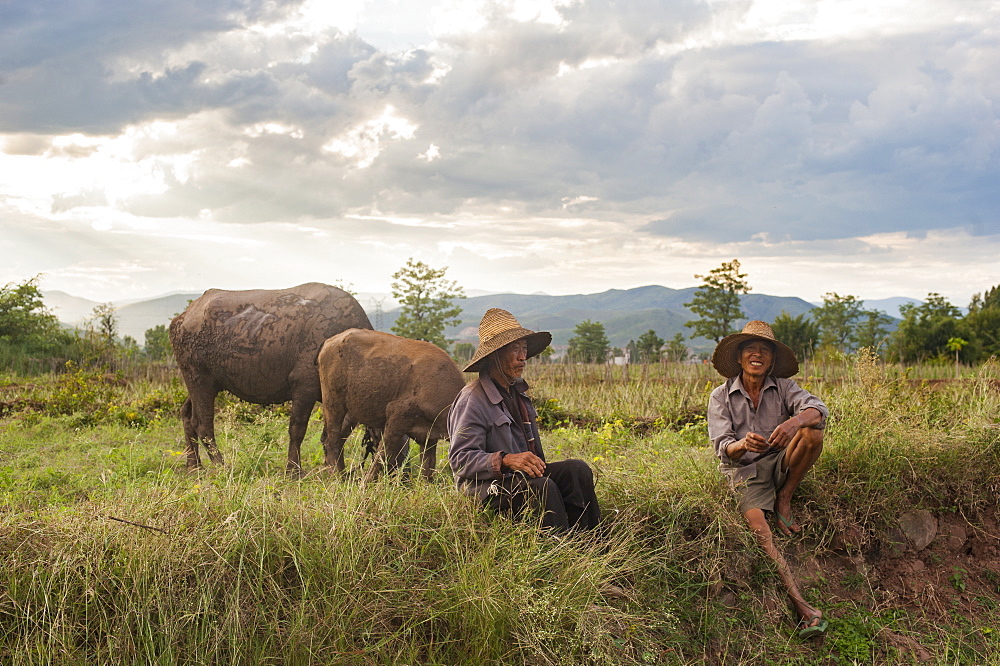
point(390, 448)
point(428, 458)
point(297, 425)
point(399, 460)
point(190, 434)
point(199, 425)
point(337, 426)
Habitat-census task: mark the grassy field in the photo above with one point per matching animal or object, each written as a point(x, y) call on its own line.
point(114, 553)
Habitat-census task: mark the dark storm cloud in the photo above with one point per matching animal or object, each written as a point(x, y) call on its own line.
point(793, 140)
point(57, 61)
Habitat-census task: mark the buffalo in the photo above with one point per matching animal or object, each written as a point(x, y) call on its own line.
point(261, 346)
point(396, 386)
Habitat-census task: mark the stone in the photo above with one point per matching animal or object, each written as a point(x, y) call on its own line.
point(895, 542)
point(920, 527)
point(952, 536)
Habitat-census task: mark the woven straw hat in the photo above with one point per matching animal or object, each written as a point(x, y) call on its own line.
point(498, 328)
point(726, 358)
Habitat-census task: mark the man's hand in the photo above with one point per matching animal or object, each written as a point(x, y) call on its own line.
point(783, 434)
point(526, 462)
point(755, 443)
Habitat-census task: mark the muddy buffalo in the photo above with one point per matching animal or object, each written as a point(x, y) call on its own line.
point(261, 346)
point(390, 384)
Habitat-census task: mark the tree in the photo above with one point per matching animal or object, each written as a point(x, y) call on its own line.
point(799, 332)
point(982, 325)
point(157, 344)
point(873, 329)
point(348, 287)
point(426, 302)
point(648, 346)
point(105, 322)
point(462, 352)
point(676, 350)
point(836, 319)
point(925, 330)
point(717, 301)
point(24, 319)
point(589, 343)
point(633, 351)
point(956, 345)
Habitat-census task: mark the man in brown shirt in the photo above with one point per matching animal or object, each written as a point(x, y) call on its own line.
point(767, 432)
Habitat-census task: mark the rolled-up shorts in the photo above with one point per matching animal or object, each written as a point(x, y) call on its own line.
point(756, 485)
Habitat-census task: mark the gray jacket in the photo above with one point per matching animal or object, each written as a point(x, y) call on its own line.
point(479, 426)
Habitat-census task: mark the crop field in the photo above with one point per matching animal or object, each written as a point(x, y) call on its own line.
point(113, 552)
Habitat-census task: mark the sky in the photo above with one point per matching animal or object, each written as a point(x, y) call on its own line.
point(557, 146)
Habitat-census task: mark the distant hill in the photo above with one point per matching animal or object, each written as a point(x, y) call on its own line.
point(890, 306)
point(134, 318)
point(137, 318)
point(69, 309)
point(625, 313)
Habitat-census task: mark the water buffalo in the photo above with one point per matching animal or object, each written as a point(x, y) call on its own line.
point(390, 384)
point(261, 346)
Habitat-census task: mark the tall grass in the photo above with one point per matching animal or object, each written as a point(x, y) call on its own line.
point(114, 553)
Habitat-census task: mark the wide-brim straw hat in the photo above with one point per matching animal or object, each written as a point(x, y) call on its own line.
point(726, 357)
point(498, 328)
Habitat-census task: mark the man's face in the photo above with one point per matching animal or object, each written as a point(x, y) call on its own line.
point(756, 358)
point(512, 358)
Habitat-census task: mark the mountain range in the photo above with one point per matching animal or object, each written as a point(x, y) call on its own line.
point(625, 313)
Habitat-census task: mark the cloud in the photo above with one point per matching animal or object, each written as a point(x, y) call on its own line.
point(555, 138)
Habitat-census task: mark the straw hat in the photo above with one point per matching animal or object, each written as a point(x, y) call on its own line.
point(726, 358)
point(499, 328)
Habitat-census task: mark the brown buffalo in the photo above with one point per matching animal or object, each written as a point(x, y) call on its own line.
point(261, 346)
point(403, 388)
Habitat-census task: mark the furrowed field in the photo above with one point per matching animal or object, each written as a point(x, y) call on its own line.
point(114, 553)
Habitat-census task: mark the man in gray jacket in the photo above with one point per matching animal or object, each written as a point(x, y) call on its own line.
point(496, 452)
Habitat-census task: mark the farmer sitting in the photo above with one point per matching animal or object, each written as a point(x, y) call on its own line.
point(767, 432)
point(495, 451)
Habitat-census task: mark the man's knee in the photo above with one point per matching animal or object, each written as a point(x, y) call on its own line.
point(809, 439)
point(578, 468)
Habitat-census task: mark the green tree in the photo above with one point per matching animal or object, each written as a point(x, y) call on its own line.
point(462, 352)
point(348, 287)
point(717, 301)
point(956, 345)
point(982, 325)
point(105, 322)
point(589, 343)
point(24, 319)
point(426, 301)
point(800, 333)
point(872, 329)
point(157, 342)
point(633, 351)
point(676, 350)
point(545, 356)
point(925, 330)
point(837, 318)
point(648, 345)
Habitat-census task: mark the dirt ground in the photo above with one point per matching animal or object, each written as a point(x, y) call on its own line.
point(952, 581)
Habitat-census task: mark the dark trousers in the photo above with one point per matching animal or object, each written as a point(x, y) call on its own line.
point(563, 495)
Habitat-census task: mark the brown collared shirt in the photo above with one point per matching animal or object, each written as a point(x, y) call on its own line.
point(731, 414)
